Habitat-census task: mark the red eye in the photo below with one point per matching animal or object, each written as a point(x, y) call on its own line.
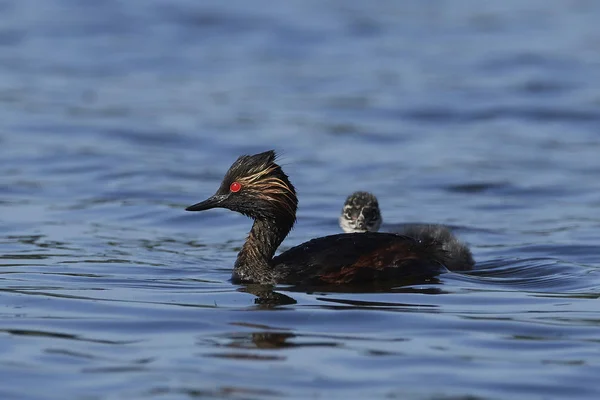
point(235, 187)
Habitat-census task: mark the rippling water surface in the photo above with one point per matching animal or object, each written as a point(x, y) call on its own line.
point(116, 115)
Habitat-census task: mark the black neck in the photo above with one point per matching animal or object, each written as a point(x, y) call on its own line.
point(253, 262)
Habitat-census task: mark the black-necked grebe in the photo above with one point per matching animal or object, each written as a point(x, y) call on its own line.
point(361, 214)
point(257, 187)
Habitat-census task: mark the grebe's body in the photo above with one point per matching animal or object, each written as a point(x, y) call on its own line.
point(257, 187)
point(357, 258)
point(361, 213)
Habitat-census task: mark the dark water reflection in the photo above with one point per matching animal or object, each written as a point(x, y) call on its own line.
point(116, 115)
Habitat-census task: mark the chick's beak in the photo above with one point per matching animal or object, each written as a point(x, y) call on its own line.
point(361, 223)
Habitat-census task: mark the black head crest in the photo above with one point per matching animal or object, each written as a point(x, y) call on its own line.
point(256, 186)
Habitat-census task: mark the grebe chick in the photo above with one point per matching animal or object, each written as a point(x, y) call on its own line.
point(257, 187)
point(361, 214)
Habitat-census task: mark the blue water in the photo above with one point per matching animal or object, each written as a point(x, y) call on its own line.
point(116, 115)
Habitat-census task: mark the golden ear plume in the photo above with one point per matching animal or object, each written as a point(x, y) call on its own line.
point(270, 188)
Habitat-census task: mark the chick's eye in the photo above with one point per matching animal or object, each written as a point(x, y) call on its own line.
point(368, 213)
point(235, 187)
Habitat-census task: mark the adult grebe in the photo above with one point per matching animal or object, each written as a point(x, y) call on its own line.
point(361, 213)
point(257, 187)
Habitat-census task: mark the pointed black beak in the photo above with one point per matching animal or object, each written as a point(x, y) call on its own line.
point(211, 202)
